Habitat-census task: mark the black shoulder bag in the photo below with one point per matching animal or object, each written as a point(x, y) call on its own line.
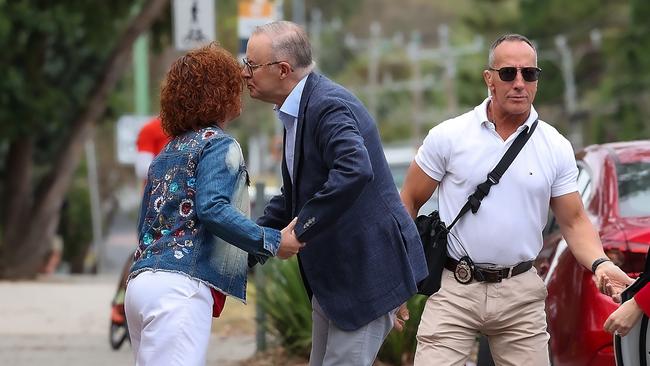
point(433, 231)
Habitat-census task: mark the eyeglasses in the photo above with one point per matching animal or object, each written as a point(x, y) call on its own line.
point(251, 66)
point(509, 73)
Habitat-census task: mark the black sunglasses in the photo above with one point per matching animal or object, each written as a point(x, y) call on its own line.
point(509, 73)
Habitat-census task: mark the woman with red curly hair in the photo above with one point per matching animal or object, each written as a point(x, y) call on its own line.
point(194, 231)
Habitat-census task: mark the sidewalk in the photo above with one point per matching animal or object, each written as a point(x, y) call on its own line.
point(64, 321)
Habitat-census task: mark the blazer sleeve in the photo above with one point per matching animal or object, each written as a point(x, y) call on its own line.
point(343, 151)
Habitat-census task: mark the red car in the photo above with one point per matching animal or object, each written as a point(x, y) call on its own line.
point(614, 181)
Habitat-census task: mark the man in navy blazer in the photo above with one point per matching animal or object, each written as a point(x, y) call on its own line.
point(362, 254)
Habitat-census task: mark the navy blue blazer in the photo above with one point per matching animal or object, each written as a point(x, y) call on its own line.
point(363, 255)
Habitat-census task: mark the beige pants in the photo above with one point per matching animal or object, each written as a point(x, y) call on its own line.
point(510, 313)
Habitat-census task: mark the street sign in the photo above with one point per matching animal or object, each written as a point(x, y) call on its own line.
point(194, 23)
point(253, 13)
point(128, 128)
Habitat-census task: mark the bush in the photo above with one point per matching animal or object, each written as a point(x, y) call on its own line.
point(76, 224)
point(287, 308)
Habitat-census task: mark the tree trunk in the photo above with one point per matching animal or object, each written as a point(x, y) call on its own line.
point(17, 198)
point(24, 260)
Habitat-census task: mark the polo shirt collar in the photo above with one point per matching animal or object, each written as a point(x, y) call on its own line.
point(481, 113)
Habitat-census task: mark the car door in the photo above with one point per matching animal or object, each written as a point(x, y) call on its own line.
point(634, 348)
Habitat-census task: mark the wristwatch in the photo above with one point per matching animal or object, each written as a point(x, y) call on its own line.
point(598, 262)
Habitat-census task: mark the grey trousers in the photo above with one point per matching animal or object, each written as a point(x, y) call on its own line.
point(333, 346)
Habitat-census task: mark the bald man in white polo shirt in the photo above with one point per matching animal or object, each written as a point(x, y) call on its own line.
point(505, 233)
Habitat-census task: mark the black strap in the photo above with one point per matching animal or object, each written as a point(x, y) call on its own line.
point(482, 190)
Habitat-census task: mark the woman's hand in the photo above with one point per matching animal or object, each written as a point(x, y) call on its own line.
point(623, 319)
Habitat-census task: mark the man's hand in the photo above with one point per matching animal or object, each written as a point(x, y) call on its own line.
point(289, 244)
point(611, 280)
point(401, 316)
point(623, 319)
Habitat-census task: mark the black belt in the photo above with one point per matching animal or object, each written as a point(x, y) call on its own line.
point(492, 275)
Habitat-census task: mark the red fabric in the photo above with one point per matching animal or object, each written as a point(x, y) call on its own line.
point(152, 138)
point(219, 302)
point(643, 299)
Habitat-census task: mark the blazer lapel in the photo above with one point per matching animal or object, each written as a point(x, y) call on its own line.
point(312, 78)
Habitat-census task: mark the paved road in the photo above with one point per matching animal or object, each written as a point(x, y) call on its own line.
point(63, 321)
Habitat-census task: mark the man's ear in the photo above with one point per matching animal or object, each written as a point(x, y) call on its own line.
point(285, 69)
point(487, 76)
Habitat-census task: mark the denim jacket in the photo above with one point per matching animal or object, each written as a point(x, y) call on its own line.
point(194, 217)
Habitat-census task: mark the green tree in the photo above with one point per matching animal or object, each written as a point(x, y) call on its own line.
point(61, 60)
point(625, 90)
point(612, 90)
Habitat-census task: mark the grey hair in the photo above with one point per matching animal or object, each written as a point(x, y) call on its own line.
point(509, 38)
point(288, 40)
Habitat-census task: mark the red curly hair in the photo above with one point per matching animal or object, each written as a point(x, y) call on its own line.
point(201, 89)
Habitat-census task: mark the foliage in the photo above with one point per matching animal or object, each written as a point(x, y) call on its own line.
point(329, 8)
point(610, 75)
point(288, 310)
point(399, 347)
point(76, 226)
point(626, 85)
point(52, 53)
point(61, 62)
point(287, 307)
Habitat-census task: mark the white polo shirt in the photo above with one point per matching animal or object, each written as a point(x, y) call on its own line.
point(507, 229)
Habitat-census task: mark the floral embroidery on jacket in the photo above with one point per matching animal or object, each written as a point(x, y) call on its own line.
point(176, 186)
point(200, 171)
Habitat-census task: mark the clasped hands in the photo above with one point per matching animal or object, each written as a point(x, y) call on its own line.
point(289, 244)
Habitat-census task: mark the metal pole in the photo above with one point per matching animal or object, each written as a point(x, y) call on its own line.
point(260, 316)
point(95, 203)
point(568, 76)
point(570, 94)
point(417, 90)
point(141, 75)
point(450, 69)
point(315, 28)
point(373, 68)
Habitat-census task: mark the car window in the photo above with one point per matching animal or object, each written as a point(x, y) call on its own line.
point(586, 194)
point(583, 178)
point(633, 189)
point(584, 183)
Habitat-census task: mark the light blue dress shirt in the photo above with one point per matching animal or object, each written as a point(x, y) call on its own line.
point(288, 115)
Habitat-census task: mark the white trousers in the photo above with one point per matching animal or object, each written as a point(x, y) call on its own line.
point(169, 316)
